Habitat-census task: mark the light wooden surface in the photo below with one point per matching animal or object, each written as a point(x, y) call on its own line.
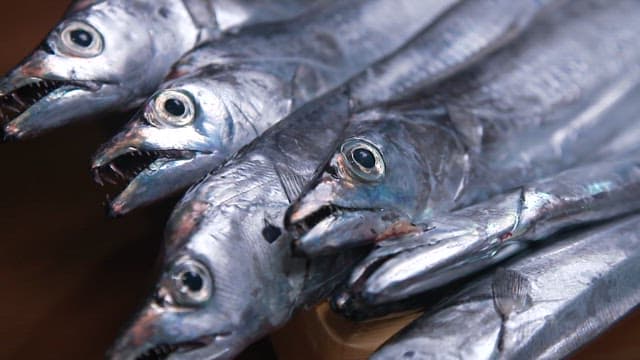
point(318, 334)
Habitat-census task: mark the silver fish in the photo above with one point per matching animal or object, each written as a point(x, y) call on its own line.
point(544, 305)
point(468, 33)
point(535, 108)
point(229, 277)
point(109, 55)
point(230, 92)
point(227, 231)
point(483, 234)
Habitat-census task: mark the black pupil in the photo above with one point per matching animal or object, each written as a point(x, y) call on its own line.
point(175, 107)
point(192, 281)
point(81, 37)
point(365, 158)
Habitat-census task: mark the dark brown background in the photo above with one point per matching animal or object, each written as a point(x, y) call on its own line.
point(69, 277)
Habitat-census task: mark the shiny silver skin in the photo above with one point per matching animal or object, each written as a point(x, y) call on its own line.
point(228, 225)
point(483, 234)
point(466, 34)
point(133, 45)
point(241, 86)
point(535, 108)
point(231, 223)
point(544, 305)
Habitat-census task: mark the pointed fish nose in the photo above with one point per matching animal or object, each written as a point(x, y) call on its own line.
point(137, 337)
point(122, 143)
point(315, 199)
point(301, 210)
point(10, 132)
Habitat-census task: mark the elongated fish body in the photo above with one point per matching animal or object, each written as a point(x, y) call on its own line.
point(469, 32)
point(227, 232)
point(544, 305)
point(229, 92)
point(533, 109)
point(472, 238)
point(107, 56)
point(229, 273)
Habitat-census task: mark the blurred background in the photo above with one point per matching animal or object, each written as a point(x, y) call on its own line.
point(69, 277)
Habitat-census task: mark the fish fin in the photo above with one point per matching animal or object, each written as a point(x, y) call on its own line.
point(204, 17)
point(511, 292)
point(291, 182)
point(305, 82)
point(467, 126)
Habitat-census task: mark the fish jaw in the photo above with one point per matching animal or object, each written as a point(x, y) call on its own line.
point(145, 169)
point(31, 105)
point(170, 172)
point(327, 228)
point(151, 337)
point(323, 222)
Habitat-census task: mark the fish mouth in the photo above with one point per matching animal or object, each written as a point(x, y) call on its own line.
point(118, 173)
point(301, 226)
point(165, 350)
point(331, 228)
point(19, 100)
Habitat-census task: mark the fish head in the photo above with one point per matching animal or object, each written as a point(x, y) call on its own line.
point(185, 130)
point(178, 319)
point(230, 224)
point(223, 285)
point(102, 57)
point(378, 181)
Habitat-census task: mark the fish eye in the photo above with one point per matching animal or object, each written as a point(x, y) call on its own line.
point(363, 159)
point(171, 108)
point(191, 283)
point(78, 38)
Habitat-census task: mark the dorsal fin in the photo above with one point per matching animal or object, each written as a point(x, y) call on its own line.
point(467, 126)
point(204, 17)
point(510, 292)
point(291, 182)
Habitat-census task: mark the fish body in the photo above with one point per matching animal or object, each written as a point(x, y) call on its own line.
point(227, 230)
point(107, 56)
point(533, 109)
point(543, 305)
point(475, 237)
point(232, 90)
point(467, 34)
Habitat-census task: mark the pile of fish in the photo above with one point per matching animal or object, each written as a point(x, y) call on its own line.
point(475, 157)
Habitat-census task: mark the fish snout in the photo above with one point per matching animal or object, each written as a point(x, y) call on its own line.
point(138, 338)
point(313, 205)
point(9, 133)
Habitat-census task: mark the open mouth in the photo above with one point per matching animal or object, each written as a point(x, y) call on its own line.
point(122, 170)
point(331, 227)
point(163, 351)
point(299, 228)
point(21, 99)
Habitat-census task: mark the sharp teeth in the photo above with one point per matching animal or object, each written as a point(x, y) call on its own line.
point(116, 170)
point(110, 180)
point(13, 109)
point(18, 100)
point(97, 178)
